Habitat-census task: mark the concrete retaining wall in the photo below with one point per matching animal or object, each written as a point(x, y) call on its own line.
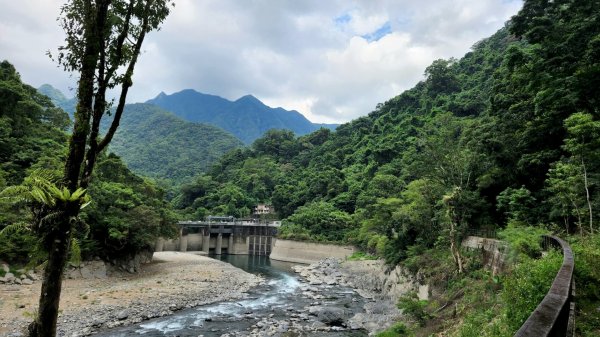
point(307, 252)
point(494, 252)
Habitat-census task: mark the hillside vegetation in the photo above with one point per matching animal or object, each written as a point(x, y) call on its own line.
point(507, 136)
point(157, 144)
point(127, 212)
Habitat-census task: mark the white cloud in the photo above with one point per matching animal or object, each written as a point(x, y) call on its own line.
point(304, 55)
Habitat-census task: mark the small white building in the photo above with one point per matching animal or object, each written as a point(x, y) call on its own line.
point(263, 209)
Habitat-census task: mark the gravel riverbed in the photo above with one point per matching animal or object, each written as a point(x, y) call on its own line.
point(171, 282)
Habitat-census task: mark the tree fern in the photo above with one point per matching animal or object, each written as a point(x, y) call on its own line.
point(40, 193)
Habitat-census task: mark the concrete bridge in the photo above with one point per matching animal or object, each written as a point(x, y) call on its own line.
point(223, 235)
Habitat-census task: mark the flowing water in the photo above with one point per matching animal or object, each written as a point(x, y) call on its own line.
point(284, 298)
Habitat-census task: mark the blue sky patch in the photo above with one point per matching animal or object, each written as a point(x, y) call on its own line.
point(343, 19)
point(379, 33)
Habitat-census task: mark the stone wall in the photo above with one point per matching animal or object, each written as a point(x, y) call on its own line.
point(495, 252)
point(307, 252)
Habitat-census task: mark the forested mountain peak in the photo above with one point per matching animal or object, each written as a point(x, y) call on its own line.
point(249, 99)
point(247, 117)
point(156, 143)
point(58, 98)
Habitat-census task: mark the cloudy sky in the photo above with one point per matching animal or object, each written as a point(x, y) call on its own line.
point(331, 60)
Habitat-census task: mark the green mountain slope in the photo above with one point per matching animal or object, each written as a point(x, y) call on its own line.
point(507, 134)
point(58, 98)
point(247, 118)
point(158, 144)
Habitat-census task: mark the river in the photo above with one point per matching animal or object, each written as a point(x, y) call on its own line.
point(283, 304)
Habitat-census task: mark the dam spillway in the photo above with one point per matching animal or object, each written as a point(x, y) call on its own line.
point(223, 235)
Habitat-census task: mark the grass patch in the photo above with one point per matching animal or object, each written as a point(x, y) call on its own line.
point(360, 256)
point(397, 330)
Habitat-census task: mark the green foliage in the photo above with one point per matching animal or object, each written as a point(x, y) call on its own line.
point(517, 205)
point(525, 288)
point(524, 241)
point(291, 231)
point(361, 256)
point(31, 127)
point(127, 214)
point(17, 243)
point(396, 330)
point(412, 306)
point(587, 280)
point(176, 151)
point(322, 221)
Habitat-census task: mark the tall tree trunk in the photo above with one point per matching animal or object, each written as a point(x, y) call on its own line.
point(578, 216)
point(60, 239)
point(587, 194)
point(454, 249)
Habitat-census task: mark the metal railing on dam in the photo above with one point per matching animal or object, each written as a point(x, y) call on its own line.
point(553, 317)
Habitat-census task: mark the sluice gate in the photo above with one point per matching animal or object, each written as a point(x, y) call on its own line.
point(224, 236)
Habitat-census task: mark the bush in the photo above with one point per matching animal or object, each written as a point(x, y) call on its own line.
point(360, 256)
point(290, 231)
point(397, 330)
point(525, 288)
point(587, 280)
point(413, 307)
point(523, 240)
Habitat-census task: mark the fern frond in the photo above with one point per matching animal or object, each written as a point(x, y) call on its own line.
point(15, 194)
point(75, 253)
point(86, 204)
point(51, 219)
point(80, 192)
point(18, 227)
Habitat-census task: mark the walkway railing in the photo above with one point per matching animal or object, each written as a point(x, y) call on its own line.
point(552, 317)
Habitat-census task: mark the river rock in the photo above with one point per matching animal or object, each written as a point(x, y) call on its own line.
point(9, 278)
point(122, 315)
point(31, 275)
point(5, 267)
point(331, 316)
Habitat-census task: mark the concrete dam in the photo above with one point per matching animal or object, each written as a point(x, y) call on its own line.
point(223, 235)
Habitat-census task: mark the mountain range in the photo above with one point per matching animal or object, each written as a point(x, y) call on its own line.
point(155, 143)
point(247, 117)
point(175, 137)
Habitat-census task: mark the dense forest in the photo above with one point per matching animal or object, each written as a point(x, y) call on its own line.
point(507, 134)
point(506, 137)
point(504, 140)
point(157, 144)
point(127, 213)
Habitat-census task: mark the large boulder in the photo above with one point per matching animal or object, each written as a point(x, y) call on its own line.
point(9, 278)
point(331, 316)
